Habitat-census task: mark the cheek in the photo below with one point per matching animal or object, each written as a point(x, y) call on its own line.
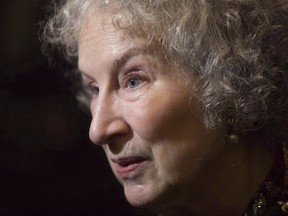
point(147, 123)
point(182, 161)
point(160, 117)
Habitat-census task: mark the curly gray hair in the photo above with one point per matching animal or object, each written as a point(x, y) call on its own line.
point(237, 49)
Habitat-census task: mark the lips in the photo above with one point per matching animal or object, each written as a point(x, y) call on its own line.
point(128, 165)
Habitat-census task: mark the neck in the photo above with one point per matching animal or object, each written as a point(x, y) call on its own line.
point(229, 182)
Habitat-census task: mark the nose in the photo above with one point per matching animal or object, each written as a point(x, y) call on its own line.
point(107, 121)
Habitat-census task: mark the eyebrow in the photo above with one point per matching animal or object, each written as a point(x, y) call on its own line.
point(83, 74)
point(120, 62)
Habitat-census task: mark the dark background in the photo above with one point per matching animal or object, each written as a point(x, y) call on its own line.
point(48, 166)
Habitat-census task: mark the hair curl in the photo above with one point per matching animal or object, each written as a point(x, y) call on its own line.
point(236, 49)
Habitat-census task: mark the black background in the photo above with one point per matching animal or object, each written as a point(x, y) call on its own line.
point(48, 166)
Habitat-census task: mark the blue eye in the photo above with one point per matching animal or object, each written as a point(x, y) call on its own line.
point(132, 83)
point(95, 90)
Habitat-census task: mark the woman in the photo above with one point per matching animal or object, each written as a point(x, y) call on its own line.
point(188, 99)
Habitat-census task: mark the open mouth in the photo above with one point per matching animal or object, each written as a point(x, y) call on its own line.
point(126, 165)
point(126, 161)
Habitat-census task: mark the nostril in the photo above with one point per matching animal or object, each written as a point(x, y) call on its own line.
point(117, 142)
point(102, 133)
point(97, 136)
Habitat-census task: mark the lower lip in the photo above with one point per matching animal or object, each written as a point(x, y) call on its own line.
point(127, 171)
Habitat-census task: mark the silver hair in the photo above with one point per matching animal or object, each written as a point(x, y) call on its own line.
point(237, 50)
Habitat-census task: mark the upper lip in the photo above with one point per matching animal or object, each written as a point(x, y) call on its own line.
point(126, 161)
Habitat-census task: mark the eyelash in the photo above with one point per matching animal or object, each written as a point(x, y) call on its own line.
point(91, 89)
point(135, 75)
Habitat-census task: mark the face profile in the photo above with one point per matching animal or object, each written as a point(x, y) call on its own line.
point(144, 116)
point(188, 99)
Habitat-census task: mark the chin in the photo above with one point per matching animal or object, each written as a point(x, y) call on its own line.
point(145, 196)
point(140, 196)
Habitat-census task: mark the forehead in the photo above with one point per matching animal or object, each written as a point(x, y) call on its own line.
point(100, 42)
point(98, 37)
point(98, 28)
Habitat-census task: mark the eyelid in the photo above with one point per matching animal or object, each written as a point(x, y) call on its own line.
point(138, 75)
point(90, 87)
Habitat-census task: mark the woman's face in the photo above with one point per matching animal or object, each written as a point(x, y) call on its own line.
point(145, 117)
